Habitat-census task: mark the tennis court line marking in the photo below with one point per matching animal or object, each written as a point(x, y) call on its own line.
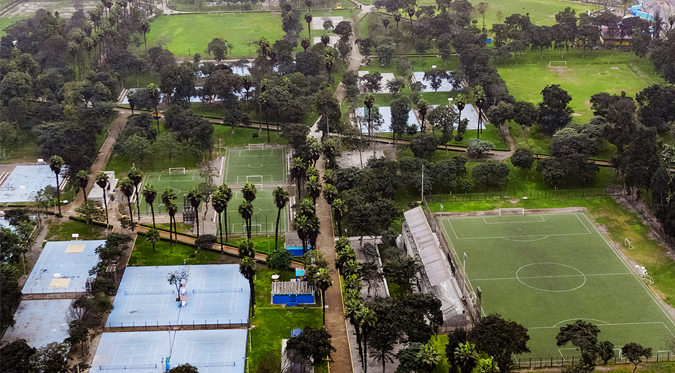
point(560, 276)
point(515, 222)
point(651, 294)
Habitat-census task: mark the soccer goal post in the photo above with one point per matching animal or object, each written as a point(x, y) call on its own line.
point(255, 179)
point(557, 63)
point(259, 187)
point(512, 211)
point(628, 243)
point(256, 146)
point(177, 170)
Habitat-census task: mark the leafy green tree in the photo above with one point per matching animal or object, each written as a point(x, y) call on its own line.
point(584, 336)
point(401, 269)
point(55, 164)
point(491, 173)
point(523, 159)
point(15, 356)
point(500, 113)
point(476, 148)
point(525, 114)
point(466, 356)
point(455, 338)
point(312, 345)
point(51, 358)
point(554, 111)
point(408, 361)
point(442, 118)
point(184, 368)
point(279, 259)
point(153, 237)
point(220, 49)
point(400, 109)
point(10, 294)
point(635, 352)
point(423, 145)
point(89, 211)
point(606, 351)
point(435, 78)
point(501, 339)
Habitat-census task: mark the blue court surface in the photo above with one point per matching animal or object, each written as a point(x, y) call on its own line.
point(63, 267)
point(211, 351)
point(385, 111)
point(215, 294)
point(446, 86)
point(40, 322)
point(25, 181)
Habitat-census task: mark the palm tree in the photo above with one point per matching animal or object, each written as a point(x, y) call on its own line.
point(305, 43)
point(246, 248)
point(330, 193)
point(219, 205)
point(479, 96)
point(301, 225)
point(145, 27)
point(339, 210)
point(102, 182)
point(55, 164)
point(227, 195)
point(246, 212)
point(422, 108)
point(323, 281)
point(153, 94)
point(429, 357)
point(385, 23)
point(168, 199)
point(248, 269)
point(249, 191)
point(153, 237)
point(314, 230)
point(172, 209)
point(195, 198)
point(308, 19)
point(353, 308)
point(149, 194)
point(367, 319)
point(83, 179)
point(314, 188)
point(460, 102)
point(466, 355)
point(280, 199)
point(298, 168)
point(136, 176)
point(127, 187)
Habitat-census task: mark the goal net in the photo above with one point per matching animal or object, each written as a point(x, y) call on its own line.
point(256, 146)
point(177, 170)
point(557, 63)
point(512, 211)
point(259, 187)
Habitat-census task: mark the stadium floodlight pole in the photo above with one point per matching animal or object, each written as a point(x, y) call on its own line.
point(465, 262)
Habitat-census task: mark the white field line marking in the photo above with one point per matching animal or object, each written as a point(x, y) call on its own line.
point(228, 155)
point(516, 222)
point(608, 324)
point(453, 229)
point(651, 294)
point(560, 276)
point(582, 223)
point(527, 235)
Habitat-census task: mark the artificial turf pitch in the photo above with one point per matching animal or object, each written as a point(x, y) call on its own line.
point(258, 166)
point(264, 217)
point(545, 271)
point(180, 182)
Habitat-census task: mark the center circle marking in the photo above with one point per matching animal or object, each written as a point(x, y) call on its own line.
point(523, 278)
point(255, 165)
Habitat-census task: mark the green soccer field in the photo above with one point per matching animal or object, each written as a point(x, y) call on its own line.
point(264, 214)
point(259, 166)
point(545, 271)
point(180, 182)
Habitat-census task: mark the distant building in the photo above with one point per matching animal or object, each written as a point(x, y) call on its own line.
point(613, 37)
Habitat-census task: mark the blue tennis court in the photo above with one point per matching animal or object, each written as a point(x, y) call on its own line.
point(40, 322)
point(63, 267)
point(214, 294)
point(25, 181)
point(211, 351)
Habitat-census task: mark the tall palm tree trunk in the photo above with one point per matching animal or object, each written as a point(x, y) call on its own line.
point(220, 227)
point(131, 209)
point(276, 232)
point(138, 204)
point(323, 302)
point(152, 211)
point(225, 213)
point(58, 193)
point(197, 220)
point(105, 203)
point(250, 284)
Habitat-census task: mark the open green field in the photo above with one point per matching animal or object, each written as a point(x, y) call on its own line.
point(264, 217)
point(166, 254)
point(4, 23)
point(600, 71)
point(188, 34)
point(258, 166)
point(544, 271)
point(179, 181)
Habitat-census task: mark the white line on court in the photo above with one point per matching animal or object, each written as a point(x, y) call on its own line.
point(582, 223)
point(610, 324)
point(527, 235)
point(517, 222)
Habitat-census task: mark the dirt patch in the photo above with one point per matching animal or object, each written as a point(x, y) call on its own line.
point(559, 69)
point(576, 114)
point(614, 68)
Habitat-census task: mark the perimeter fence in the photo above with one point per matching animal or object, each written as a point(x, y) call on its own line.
point(537, 194)
point(560, 361)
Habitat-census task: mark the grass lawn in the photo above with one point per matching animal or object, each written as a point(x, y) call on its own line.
point(143, 255)
point(141, 81)
point(541, 12)
point(583, 77)
point(181, 227)
point(416, 63)
point(263, 244)
point(559, 265)
point(6, 22)
point(540, 142)
point(64, 231)
point(27, 151)
point(188, 34)
point(619, 223)
point(273, 323)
